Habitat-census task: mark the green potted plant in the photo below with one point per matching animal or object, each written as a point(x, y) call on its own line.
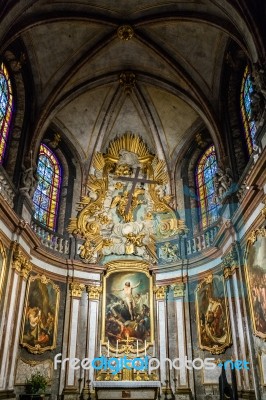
point(36, 385)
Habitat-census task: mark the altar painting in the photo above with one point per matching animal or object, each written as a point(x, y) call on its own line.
point(127, 310)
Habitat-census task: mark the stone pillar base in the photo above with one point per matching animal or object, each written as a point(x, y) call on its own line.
point(183, 394)
point(247, 394)
point(70, 394)
point(7, 394)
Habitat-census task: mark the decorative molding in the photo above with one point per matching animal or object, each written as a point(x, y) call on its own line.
point(127, 81)
point(178, 289)
point(230, 262)
point(21, 263)
point(160, 292)
point(76, 289)
point(255, 233)
point(94, 292)
point(125, 32)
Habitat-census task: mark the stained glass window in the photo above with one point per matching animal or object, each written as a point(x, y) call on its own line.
point(46, 195)
point(205, 172)
point(6, 108)
point(245, 104)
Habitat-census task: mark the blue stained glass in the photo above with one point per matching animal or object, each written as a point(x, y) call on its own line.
point(205, 172)
point(46, 196)
point(246, 112)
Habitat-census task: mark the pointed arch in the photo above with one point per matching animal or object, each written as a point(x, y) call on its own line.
point(245, 107)
point(206, 168)
point(6, 109)
point(47, 194)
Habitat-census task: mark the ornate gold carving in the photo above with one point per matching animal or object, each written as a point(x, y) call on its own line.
point(20, 263)
point(94, 292)
point(125, 32)
point(76, 289)
point(255, 233)
point(160, 292)
point(127, 80)
point(127, 206)
point(178, 289)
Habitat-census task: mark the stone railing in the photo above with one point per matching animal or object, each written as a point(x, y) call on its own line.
point(202, 241)
point(51, 240)
point(6, 188)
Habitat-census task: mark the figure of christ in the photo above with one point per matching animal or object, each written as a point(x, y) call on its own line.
point(128, 295)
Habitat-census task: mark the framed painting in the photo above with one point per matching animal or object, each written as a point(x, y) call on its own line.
point(255, 269)
point(39, 324)
point(213, 323)
point(127, 315)
point(2, 266)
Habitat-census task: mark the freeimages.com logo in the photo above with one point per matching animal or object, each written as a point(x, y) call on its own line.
point(147, 364)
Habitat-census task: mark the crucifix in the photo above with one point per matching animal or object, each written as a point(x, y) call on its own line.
point(134, 181)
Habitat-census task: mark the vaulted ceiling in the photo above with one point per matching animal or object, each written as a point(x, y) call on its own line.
point(173, 64)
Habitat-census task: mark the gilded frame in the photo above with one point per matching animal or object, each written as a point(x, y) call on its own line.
point(3, 268)
point(129, 266)
point(38, 348)
point(216, 347)
point(252, 240)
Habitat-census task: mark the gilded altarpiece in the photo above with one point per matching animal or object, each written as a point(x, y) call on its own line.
point(126, 209)
point(214, 334)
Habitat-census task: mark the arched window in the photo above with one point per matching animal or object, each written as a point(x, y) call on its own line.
point(205, 171)
point(6, 108)
point(245, 105)
point(47, 193)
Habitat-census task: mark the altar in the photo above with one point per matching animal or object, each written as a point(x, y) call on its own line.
point(126, 390)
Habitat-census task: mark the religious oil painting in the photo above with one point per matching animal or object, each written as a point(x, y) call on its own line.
point(39, 326)
point(127, 310)
point(255, 267)
point(212, 315)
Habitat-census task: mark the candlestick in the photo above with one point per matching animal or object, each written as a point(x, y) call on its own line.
point(108, 349)
point(137, 348)
point(116, 349)
point(145, 349)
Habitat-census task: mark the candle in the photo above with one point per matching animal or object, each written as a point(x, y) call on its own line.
point(100, 348)
point(137, 348)
point(108, 349)
point(116, 349)
point(153, 354)
point(145, 349)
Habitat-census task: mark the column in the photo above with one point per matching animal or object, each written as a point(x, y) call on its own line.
point(21, 268)
point(182, 376)
point(231, 275)
point(93, 315)
point(160, 294)
point(71, 384)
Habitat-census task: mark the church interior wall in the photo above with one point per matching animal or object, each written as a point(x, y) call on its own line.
point(88, 100)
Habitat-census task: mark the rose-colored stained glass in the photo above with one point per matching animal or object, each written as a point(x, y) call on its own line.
point(47, 193)
point(6, 109)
